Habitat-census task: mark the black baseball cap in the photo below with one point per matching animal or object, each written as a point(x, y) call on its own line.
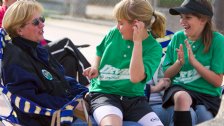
point(191, 6)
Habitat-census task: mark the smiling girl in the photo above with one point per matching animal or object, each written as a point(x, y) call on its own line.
point(194, 63)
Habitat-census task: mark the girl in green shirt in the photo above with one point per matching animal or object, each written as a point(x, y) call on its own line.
point(194, 61)
point(126, 59)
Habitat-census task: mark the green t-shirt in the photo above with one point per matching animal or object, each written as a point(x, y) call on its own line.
point(116, 53)
point(188, 77)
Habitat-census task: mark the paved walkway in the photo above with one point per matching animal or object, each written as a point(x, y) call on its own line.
point(79, 31)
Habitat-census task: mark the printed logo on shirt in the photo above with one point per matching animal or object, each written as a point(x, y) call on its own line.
point(188, 76)
point(110, 73)
point(47, 74)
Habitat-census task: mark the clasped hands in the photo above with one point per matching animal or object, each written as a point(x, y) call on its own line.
point(180, 54)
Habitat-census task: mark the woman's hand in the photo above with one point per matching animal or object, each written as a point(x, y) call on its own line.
point(91, 72)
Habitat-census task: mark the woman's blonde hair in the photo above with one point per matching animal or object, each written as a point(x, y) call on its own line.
point(18, 14)
point(141, 10)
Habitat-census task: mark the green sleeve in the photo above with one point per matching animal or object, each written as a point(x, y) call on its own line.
point(152, 61)
point(170, 56)
point(101, 47)
point(217, 63)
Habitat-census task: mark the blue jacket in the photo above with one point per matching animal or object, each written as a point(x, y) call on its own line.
point(31, 72)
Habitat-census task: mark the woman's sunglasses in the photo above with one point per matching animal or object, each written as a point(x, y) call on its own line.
point(37, 21)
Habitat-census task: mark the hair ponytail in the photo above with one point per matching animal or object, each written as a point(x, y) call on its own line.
point(143, 11)
point(158, 27)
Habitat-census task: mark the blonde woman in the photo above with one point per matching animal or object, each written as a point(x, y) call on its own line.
point(29, 70)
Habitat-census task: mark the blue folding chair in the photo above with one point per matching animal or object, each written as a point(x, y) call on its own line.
point(62, 116)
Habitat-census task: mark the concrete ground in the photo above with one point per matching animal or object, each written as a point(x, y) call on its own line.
point(80, 31)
